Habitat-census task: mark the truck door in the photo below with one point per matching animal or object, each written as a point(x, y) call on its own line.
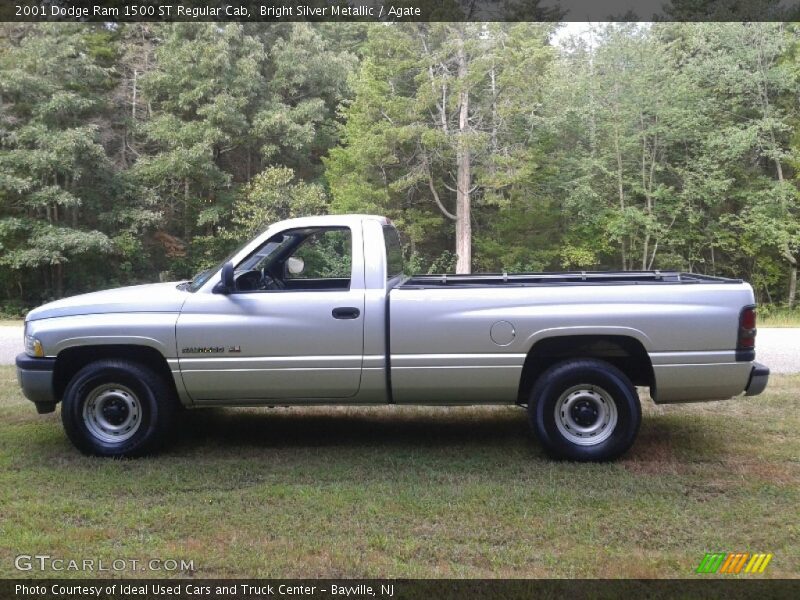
point(292, 329)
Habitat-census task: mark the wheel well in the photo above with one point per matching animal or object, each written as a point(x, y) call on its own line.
point(625, 353)
point(72, 360)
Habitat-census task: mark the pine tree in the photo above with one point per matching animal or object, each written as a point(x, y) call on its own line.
point(53, 169)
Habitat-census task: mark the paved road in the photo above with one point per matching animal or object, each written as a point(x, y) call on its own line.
point(10, 344)
point(779, 349)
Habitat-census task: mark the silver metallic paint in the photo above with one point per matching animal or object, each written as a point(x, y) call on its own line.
point(293, 351)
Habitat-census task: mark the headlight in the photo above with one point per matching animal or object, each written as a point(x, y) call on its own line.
point(33, 347)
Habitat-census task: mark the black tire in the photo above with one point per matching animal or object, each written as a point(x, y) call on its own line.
point(133, 394)
point(599, 410)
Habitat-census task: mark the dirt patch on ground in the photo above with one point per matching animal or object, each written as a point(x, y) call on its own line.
point(653, 453)
point(705, 491)
point(780, 473)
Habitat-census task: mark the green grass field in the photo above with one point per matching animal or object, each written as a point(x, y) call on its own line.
point(410, 492)
point(778, 317)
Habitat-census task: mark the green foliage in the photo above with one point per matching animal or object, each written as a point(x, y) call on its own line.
point(402, 138)
point(327, 254)
point(271, 196)
point(148, 148)
point(52, 160)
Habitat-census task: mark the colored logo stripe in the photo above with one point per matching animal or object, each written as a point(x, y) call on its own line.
point(758, 563)
point(711, 562)
point(733, 562)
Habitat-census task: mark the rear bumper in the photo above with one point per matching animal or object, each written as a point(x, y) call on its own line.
point(700, 382)
point(35, 376)
point(759, 376)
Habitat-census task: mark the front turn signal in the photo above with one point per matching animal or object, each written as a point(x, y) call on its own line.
point(33, 347)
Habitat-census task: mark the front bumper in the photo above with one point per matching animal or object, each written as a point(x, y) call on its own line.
point(35, 376)
point(759, 377)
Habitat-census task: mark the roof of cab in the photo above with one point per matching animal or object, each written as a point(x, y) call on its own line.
point(322, 220)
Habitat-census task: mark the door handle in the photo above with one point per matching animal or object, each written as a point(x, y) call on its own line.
point(345, 312)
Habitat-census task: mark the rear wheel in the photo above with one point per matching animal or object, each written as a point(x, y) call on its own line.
point(585, 410)
point(117, 408)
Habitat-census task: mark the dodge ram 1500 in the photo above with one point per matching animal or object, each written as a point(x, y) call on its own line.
point(318, 310)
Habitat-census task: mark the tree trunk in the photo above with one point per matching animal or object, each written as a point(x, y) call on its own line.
point(129, 132)
point(617, 152)
point(59, 280)
point(621, 192)
point(790, 258)
point(791, 298)
point(464, 176)
point(648, 200)
point(134, 95)
point(493, 79)
point(186, 228)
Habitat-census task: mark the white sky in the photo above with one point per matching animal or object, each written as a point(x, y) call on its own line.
point(581, 29)
point(569, 29)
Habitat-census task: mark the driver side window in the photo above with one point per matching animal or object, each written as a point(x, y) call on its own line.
point(324, 254)
point(314, 258)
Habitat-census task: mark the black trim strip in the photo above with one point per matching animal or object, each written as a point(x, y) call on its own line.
point(759, 378)
point(386, 335)
point(30, 363)
point(561, 278)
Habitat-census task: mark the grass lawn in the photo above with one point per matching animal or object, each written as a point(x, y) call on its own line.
point(411, 492)
point(778, 317)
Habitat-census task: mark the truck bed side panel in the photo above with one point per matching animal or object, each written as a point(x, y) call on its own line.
point(442, 349)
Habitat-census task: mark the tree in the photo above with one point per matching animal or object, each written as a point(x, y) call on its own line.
point(224, 102)
point(200, 92)
point(411, 115)
point(754, 106)
point(420, 134)
point(633, 146)
point(53, 169)
point(636, 121)
point(274, 195)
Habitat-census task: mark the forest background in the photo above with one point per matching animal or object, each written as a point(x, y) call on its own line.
point(143, 151)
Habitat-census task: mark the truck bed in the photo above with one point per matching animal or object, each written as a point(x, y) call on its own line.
point(561, 278)
point(465, 338)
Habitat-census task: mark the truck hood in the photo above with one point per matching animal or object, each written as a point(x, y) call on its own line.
point(155, 297)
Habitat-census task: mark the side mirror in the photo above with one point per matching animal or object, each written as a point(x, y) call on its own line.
point(228, 282)
point(295, 265)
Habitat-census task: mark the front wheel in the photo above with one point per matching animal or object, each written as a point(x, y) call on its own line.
point(585, 410)
point(117, 408)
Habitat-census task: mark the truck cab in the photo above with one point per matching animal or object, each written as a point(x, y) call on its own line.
point(316, 289)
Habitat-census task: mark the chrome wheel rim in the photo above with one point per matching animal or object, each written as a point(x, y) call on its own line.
point(586, 415)
point(112, 413)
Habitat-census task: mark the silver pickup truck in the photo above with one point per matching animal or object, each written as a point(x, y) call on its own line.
point(318, 310)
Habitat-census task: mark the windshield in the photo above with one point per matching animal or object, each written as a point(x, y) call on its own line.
point(200, 279)
point(254, 261)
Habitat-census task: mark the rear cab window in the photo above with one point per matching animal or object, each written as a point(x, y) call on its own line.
point(394, 252)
